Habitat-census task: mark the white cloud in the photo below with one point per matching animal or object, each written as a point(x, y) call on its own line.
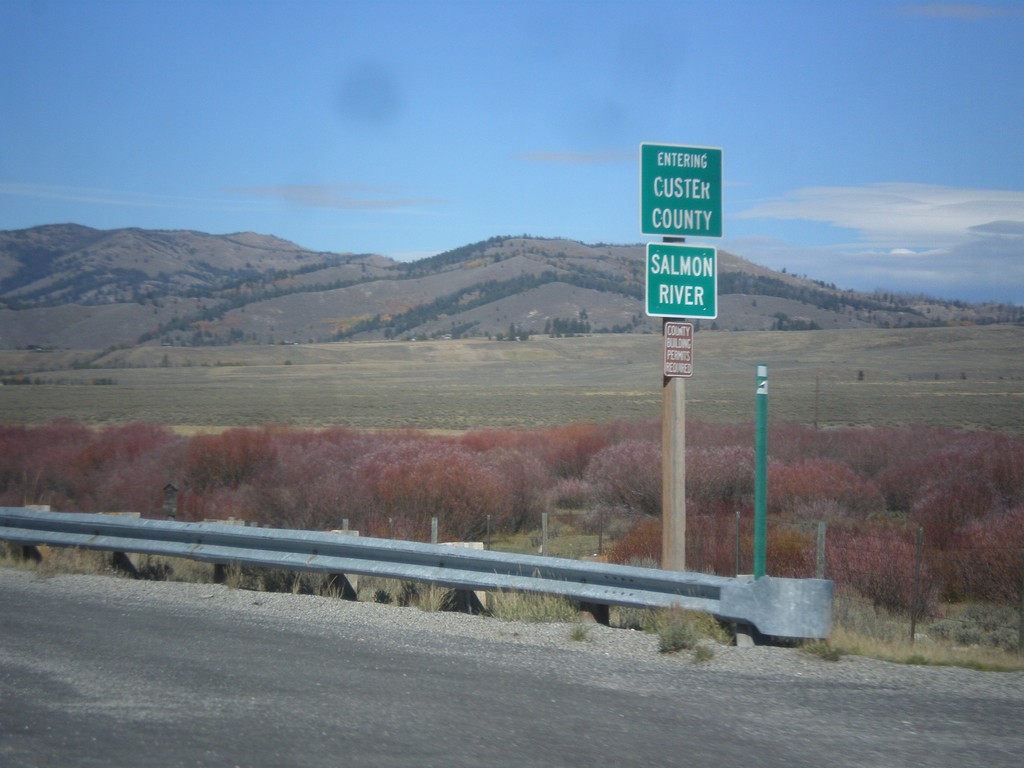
point(337, 196)
point(961, 11)
point(898, 215)
point(95, 196)
point(984, 269)
point(577, 158)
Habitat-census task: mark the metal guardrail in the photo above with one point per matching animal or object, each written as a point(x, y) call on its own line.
point(792, 608)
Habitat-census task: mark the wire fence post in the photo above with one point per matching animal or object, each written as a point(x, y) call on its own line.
point(915, 605)
point(819, 564)
point(433, 530)
point(1020, 613)
point(543, 533)
point(737, 541)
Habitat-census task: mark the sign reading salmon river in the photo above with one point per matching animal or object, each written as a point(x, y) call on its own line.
point(680, 191)
point(682, 281)
point(678, 349)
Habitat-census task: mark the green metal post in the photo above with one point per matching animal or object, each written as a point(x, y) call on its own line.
point(761, 473)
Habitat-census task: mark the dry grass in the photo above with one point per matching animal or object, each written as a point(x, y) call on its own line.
point(534, 608)
point(56, 560)
point(849, 641)
point(565, 543)
point(957, 377)
point(863, 630)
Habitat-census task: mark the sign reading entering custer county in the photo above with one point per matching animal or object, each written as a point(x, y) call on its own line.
point(680, 191)
point(682, 281)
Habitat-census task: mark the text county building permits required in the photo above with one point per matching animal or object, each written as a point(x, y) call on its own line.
point(678, 341)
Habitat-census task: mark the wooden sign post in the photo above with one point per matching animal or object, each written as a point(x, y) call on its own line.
point(680, 195)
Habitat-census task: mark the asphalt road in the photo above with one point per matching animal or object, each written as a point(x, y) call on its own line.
point(114, 677)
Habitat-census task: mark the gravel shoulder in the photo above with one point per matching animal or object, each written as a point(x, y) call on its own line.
point(506, 639)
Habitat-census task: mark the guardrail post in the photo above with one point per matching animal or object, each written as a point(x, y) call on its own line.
point(24, 552)
point(346, 587)
point(122, 563)
point(469, 601)
point(600, 613)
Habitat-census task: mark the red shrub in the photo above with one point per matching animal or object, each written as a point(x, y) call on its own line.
point(871, 450)
point(991, 461)
point(948, 502)
point(719, 474)
point(75, 468)
point(571, 493)
point(484, 440)
point(866, 450)
point(997, 458)
point(219, 503)
point(526, 484)
point(307, 486)
point(711, 540)
point(711, 545)
point(989, 558)
point(228, 459)
point(789, 552)
point(880, 565)
point(126, 468)
point(42, 465)
point(567, 450)
point(641, 545)
point(411, 482)
point(628, 475)
point(793, 487)
point(707, 436)
point(901, 484)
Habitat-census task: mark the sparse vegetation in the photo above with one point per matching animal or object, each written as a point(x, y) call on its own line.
point(524, 606)
point(703, 654)
point(822, 649)
point(875, 485)
point(678, 634)
point(579, 632)
point(684, 630)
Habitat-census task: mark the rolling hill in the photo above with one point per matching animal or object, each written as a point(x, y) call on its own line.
point(69, 286)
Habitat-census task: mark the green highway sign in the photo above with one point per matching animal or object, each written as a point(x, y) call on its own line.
point(680, 191)
point(682, 281)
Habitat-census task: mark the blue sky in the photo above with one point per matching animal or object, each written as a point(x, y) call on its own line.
point(869, 144)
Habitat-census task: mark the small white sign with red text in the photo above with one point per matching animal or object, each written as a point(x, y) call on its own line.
point(678, 349)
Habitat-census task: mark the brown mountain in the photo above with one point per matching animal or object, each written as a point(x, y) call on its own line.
point(70, 286)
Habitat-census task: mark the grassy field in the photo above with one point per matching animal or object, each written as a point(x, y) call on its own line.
point(959, 377)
